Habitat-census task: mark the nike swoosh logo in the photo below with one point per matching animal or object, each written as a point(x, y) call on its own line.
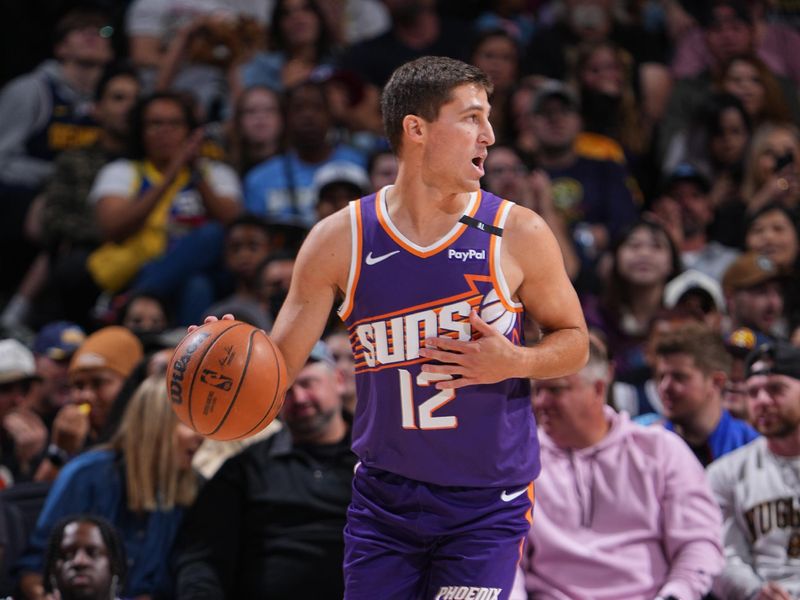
point(374, 260)
point(506, 497)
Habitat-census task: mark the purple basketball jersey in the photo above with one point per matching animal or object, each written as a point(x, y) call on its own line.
point(399, 294)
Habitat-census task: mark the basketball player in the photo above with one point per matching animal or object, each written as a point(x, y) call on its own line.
point(443, 427)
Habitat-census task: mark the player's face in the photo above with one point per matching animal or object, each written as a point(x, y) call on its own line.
point(774, 404)
point(312, 402)
point(456, 143)
point(684, 389)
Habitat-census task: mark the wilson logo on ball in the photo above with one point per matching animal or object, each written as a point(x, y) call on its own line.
point(179, 368)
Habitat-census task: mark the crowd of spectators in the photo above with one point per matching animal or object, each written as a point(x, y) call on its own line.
point(162, 160)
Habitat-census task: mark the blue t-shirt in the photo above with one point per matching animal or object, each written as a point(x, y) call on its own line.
point(730, 434)
point(281, 188)
point(94, 483)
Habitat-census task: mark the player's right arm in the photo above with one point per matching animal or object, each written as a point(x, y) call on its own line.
point(320, 271)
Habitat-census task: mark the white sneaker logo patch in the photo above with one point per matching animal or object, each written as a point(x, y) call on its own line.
point(506, 497)
point(374, 260)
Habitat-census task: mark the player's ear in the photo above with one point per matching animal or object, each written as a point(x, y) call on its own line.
point(414, 128)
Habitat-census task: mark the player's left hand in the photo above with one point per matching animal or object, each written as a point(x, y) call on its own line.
point(488, 359)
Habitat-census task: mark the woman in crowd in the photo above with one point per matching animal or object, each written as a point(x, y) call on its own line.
point(162, 211)
point(141, 482)
point(643, 259)
point(256, 128)
point(773, 232)
point(603, 75)
point(750, 80)
point(715, 143)
point(772, 172)
point(299, 40)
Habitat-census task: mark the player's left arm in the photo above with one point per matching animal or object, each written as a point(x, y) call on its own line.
point(536, 277)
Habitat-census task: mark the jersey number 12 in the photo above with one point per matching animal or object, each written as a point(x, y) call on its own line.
point(426, 419)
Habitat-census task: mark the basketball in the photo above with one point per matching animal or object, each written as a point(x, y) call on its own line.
point(226, 380)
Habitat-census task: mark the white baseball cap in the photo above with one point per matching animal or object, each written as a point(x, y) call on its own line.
point(16, 362)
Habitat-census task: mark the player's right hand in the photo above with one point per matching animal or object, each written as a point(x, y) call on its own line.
point(211, 319)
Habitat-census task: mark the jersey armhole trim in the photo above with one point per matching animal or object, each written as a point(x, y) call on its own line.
point(495, 267)
point(355, 260)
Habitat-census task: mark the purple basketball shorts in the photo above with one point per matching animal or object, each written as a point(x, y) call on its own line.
point(409, 540)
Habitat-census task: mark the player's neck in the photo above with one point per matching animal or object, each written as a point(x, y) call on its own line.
point(788, 445)
point(422, 213)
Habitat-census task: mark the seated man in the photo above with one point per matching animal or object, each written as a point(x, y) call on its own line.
point(97, 372)
point(758, 485)
point(270, 521)
point(691, 370)
point(85, 560)
point(622, 510)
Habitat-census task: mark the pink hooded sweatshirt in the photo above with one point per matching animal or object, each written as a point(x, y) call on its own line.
point(631, 518)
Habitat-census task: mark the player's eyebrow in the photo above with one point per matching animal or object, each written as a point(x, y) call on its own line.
point(476, 106)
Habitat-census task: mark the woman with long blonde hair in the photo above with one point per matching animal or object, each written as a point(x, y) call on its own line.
point(141, 482)
point(772, 171)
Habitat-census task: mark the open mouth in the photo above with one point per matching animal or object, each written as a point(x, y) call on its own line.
point(478, 162)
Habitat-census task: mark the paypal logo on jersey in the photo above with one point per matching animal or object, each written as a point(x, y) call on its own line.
point(465, 255)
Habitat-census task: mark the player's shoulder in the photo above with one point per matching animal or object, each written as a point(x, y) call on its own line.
point(524, 227)
point(327, 245)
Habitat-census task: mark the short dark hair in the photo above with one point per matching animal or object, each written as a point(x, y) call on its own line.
point(421, 87)
point(137, 150)
point(111, 72)
point(247, 219)
point(699, 341)
point(80, 18)
point(117, 558)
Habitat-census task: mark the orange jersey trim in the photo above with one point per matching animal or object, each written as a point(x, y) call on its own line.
point(355, 260)
point(383, 219)
point(495, 270)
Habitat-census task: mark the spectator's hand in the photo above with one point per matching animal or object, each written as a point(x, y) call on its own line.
point(211, 319)
point(71, 428)
point(190, 152)
point(296, 70)
point(779, 187)
point(772, 591)
point(667, 212)
point(28, 432)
